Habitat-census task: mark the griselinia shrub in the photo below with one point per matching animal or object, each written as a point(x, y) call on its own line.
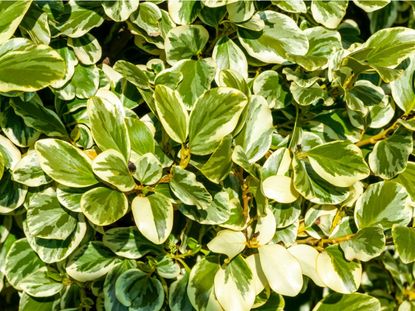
point(207, 155)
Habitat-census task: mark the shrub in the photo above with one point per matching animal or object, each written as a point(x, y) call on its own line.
point(213, 155)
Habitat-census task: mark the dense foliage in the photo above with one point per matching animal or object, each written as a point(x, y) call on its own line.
point(212, 155)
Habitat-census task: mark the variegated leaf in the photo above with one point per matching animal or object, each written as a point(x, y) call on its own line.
point(153, 216)
point(11, 14)
point(104, 206)
point(64, 163)
point(228, 242)
point(28, 171)
point(90, 262)
point(215, 115)
point(329, 13)
point(112, 168)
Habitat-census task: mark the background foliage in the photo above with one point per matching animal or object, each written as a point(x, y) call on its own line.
point(212, 155)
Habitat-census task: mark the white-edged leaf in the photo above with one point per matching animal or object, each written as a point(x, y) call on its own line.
point(103, 206)
point(200, 289)
point(153, 216)
point(329, 13)
point(136, 290)
point(234, 286)
point(368, 243)
point(172, 113)
point(215, 115)
point(336, 272)
point(27, 67)
point(385, 204)
point(404, 238)
point(64, 163)
point(112, 168)
point(340, 163)
point(90, 262)
point(354, 301)
point(108, 128)
point(279, 37)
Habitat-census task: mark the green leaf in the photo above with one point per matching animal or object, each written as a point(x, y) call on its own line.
point(91, 262)
point(12, 194)
point(51, 251)
point(167, 267)
point(141, 138)
point(104, 206)
point(127, 242)
point(87, 49)
point(183, 12)
point(183, 42)
point(407, 179)
point(38, 284)
point(403, 238)
point(390, 156)
point(70, 198)
point(322, 44)
point(385, 204)
point(219, 164)
point(355, 301)
point(108, 128)
point(279, 37)
point(42, 119)
point(291, 6)
point(35, 24)
point(148, 169)
point(367, 244)
point(153, 216)
point(197, 76)
point(329, 13)
point(228, 242)
point(284, 276)
point(15, 128)
point(2, 165)
point(46, 218)
point(314, 188)
point(387, 47)
point(21, 261)
point(234, 285)
point(29, 303)
point(11, 14)
point(111, 167)
point(80, 19)
point(172, 113)
point(200, 289)
point(11, 155)
point(218, 212)
point(228, 55)
point(371, 5)
point(336, 272)
point(340, 171)
point(255, 137)
point(132, 73)
point(134, 289)
point(110, 300)
point(83, 84)
point(364, 93)
point(27, 67)
point(215, 115)
point(120, 10)
point(65, 163)
point(28, 171)
point(268, 85)
point(402, 89)
point(178, 300)
point(191, 192)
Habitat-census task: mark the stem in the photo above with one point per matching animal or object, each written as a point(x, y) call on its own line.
point(379, 136)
